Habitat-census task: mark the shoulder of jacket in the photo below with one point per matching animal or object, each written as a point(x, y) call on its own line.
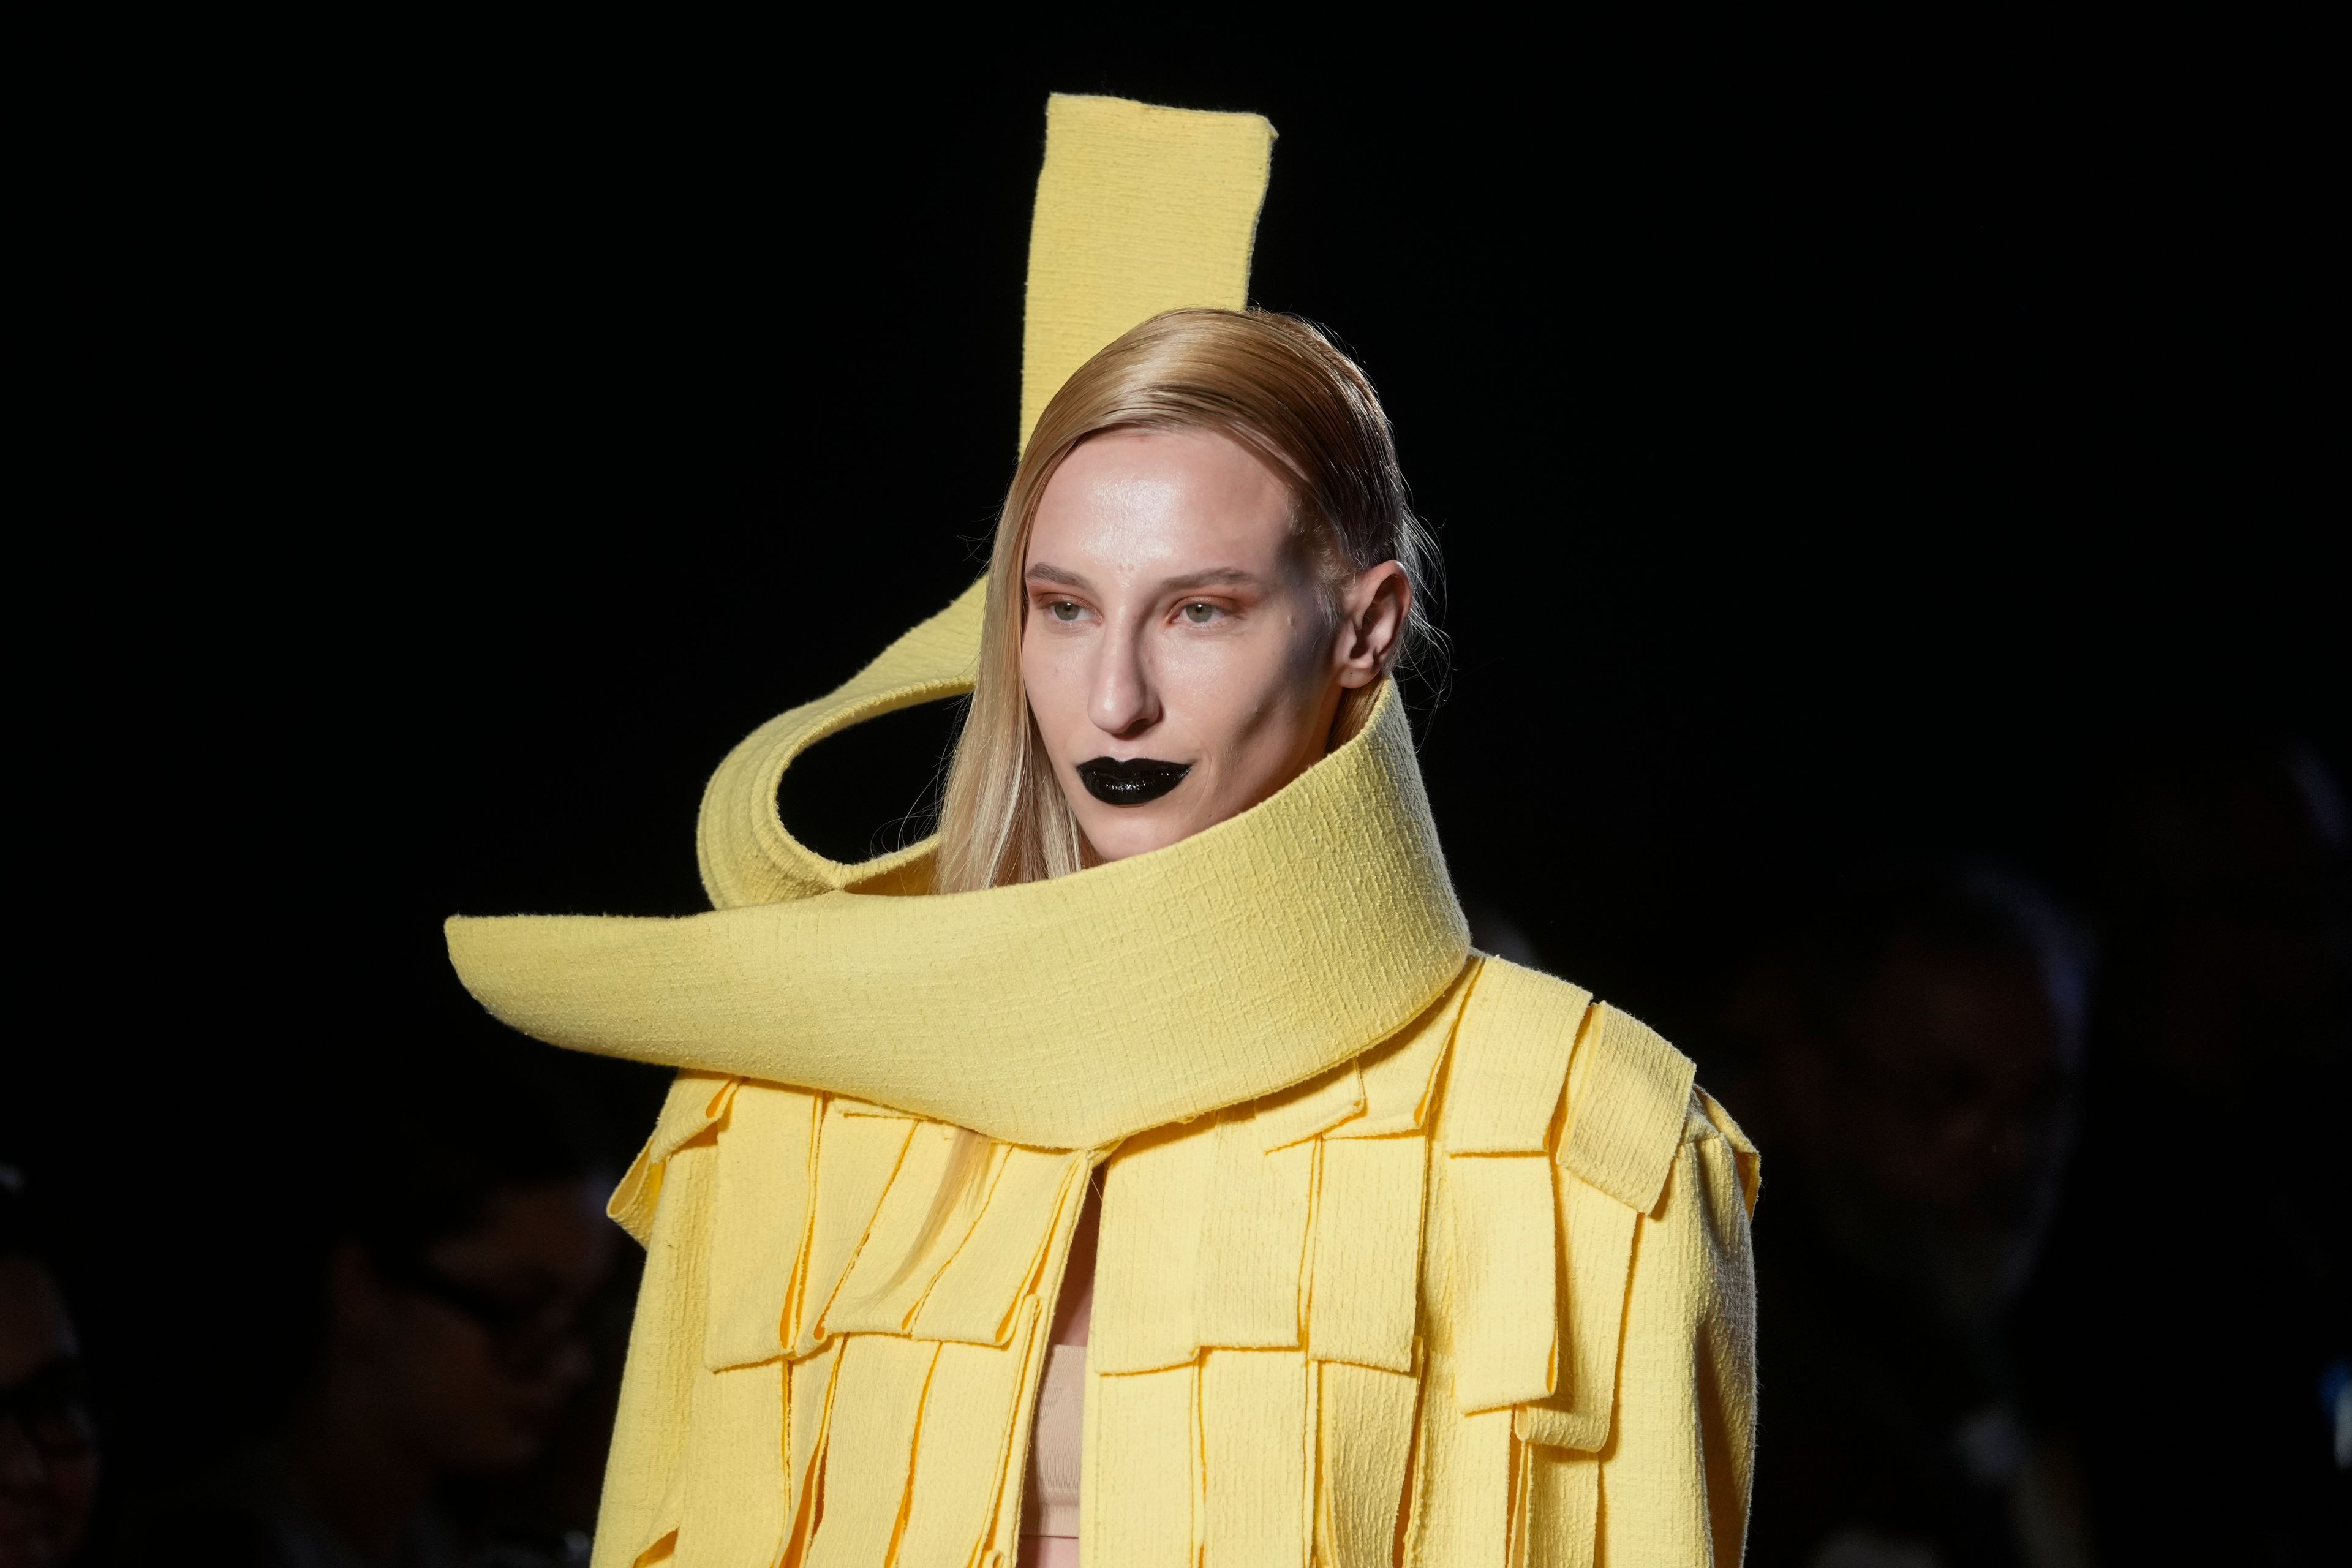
point(1624, 1099)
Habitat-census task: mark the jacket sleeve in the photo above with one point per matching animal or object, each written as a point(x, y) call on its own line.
point(1676, 1472)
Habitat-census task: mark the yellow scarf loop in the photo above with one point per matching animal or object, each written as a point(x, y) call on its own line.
point(1063, 1015)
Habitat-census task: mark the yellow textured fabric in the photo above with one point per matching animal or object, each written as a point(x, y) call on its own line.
point(1367, 1243)
point(1631, 1090)
point(1547, 1374)
point(758, 1217)
point(1406, 1254)
point(1505, 1102)
point(1253, 1235)
point(1594, 1254)
point(1126, 181)
point(1364, 1448)
point(1503, 1269)
point(1144, 1264)
point(964, 1435)
point(1255, 1449)
point(1203, 983)
point(734, 1454)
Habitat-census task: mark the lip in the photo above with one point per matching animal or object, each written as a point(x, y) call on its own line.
point(1130, 781)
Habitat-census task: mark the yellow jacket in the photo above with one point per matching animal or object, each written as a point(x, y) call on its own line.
point(1408, 1254)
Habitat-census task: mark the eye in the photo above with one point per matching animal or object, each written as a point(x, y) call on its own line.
point(1200, 613)
point(1066, 611)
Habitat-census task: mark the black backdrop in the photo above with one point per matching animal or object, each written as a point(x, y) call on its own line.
point(441, 452)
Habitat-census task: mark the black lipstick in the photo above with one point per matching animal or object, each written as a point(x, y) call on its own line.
point(1130, 781)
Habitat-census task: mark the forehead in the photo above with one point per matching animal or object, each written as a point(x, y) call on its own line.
point(1129, 500)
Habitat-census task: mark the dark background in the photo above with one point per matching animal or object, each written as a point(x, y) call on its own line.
point(438, 452)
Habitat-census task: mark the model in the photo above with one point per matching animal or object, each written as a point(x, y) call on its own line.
point(1404, 1254)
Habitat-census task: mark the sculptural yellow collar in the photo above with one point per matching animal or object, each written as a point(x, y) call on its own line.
point(1066, 1013)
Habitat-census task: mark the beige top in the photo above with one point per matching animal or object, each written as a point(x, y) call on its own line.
point(1050, 1506)
point(1049, 1493)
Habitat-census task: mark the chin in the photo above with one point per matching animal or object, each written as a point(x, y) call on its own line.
point(1137, 830)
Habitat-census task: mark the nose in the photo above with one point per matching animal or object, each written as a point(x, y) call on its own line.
point(1123, 701)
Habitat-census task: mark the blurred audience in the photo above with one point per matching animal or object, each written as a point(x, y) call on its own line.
point(467, 1246)
point(48, 1444)
point(2197, 1315)
point(1913, 1051)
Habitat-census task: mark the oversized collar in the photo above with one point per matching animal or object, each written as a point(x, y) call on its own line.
point(1065, 1014)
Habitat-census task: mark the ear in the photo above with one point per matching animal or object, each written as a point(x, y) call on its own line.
point(1372, 611)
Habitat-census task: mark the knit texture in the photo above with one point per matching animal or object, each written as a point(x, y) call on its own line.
point(1139, 209)
point(1320, 1350)
point(1066, 1013)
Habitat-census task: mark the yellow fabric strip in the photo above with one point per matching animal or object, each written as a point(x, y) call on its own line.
point(969, 1418)
point(1628, 1094)
point(1365, 1448)
point(1563, 1503)
point(1400, 1076)
point(642, 1479)
point(1596, 1252)
point(1505, 1321)
point(1750, 1163)
point(809, 1387)
point(1254, 1443)
point(1676, 1475)
point(1462, 1509)
point(1139, 209)
point(1363, 1305)
point(747, 857)
point(737, 1494)
point(1314, 1107)
point(1153, 1195)
point(1253, 1239)
point(759, 1222)
point(1136, 1491)
point(881, 1292)
point(1334, 925)
point(876, 1409)
point(695, 1101)
point(856, 1158)
point(976, 1297)
point(1511, 1059)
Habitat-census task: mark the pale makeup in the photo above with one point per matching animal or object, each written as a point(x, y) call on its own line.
point(1174, 613)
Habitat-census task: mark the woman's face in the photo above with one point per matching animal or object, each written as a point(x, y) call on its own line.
point(1181, 658)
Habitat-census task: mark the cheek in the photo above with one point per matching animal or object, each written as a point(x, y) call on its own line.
point(1054, 685)
point(1245, 688)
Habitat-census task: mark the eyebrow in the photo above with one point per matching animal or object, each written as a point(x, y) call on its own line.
point(1212, 577)
point(1046, 572)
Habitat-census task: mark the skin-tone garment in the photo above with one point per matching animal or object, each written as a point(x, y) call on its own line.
point(1053, 1487)
point(1406, 1253)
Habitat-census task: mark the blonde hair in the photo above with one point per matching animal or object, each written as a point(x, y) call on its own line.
point(1277, 386)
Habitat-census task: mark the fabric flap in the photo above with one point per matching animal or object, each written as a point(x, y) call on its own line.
point(1510, 1057)
point(1628, 1092)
